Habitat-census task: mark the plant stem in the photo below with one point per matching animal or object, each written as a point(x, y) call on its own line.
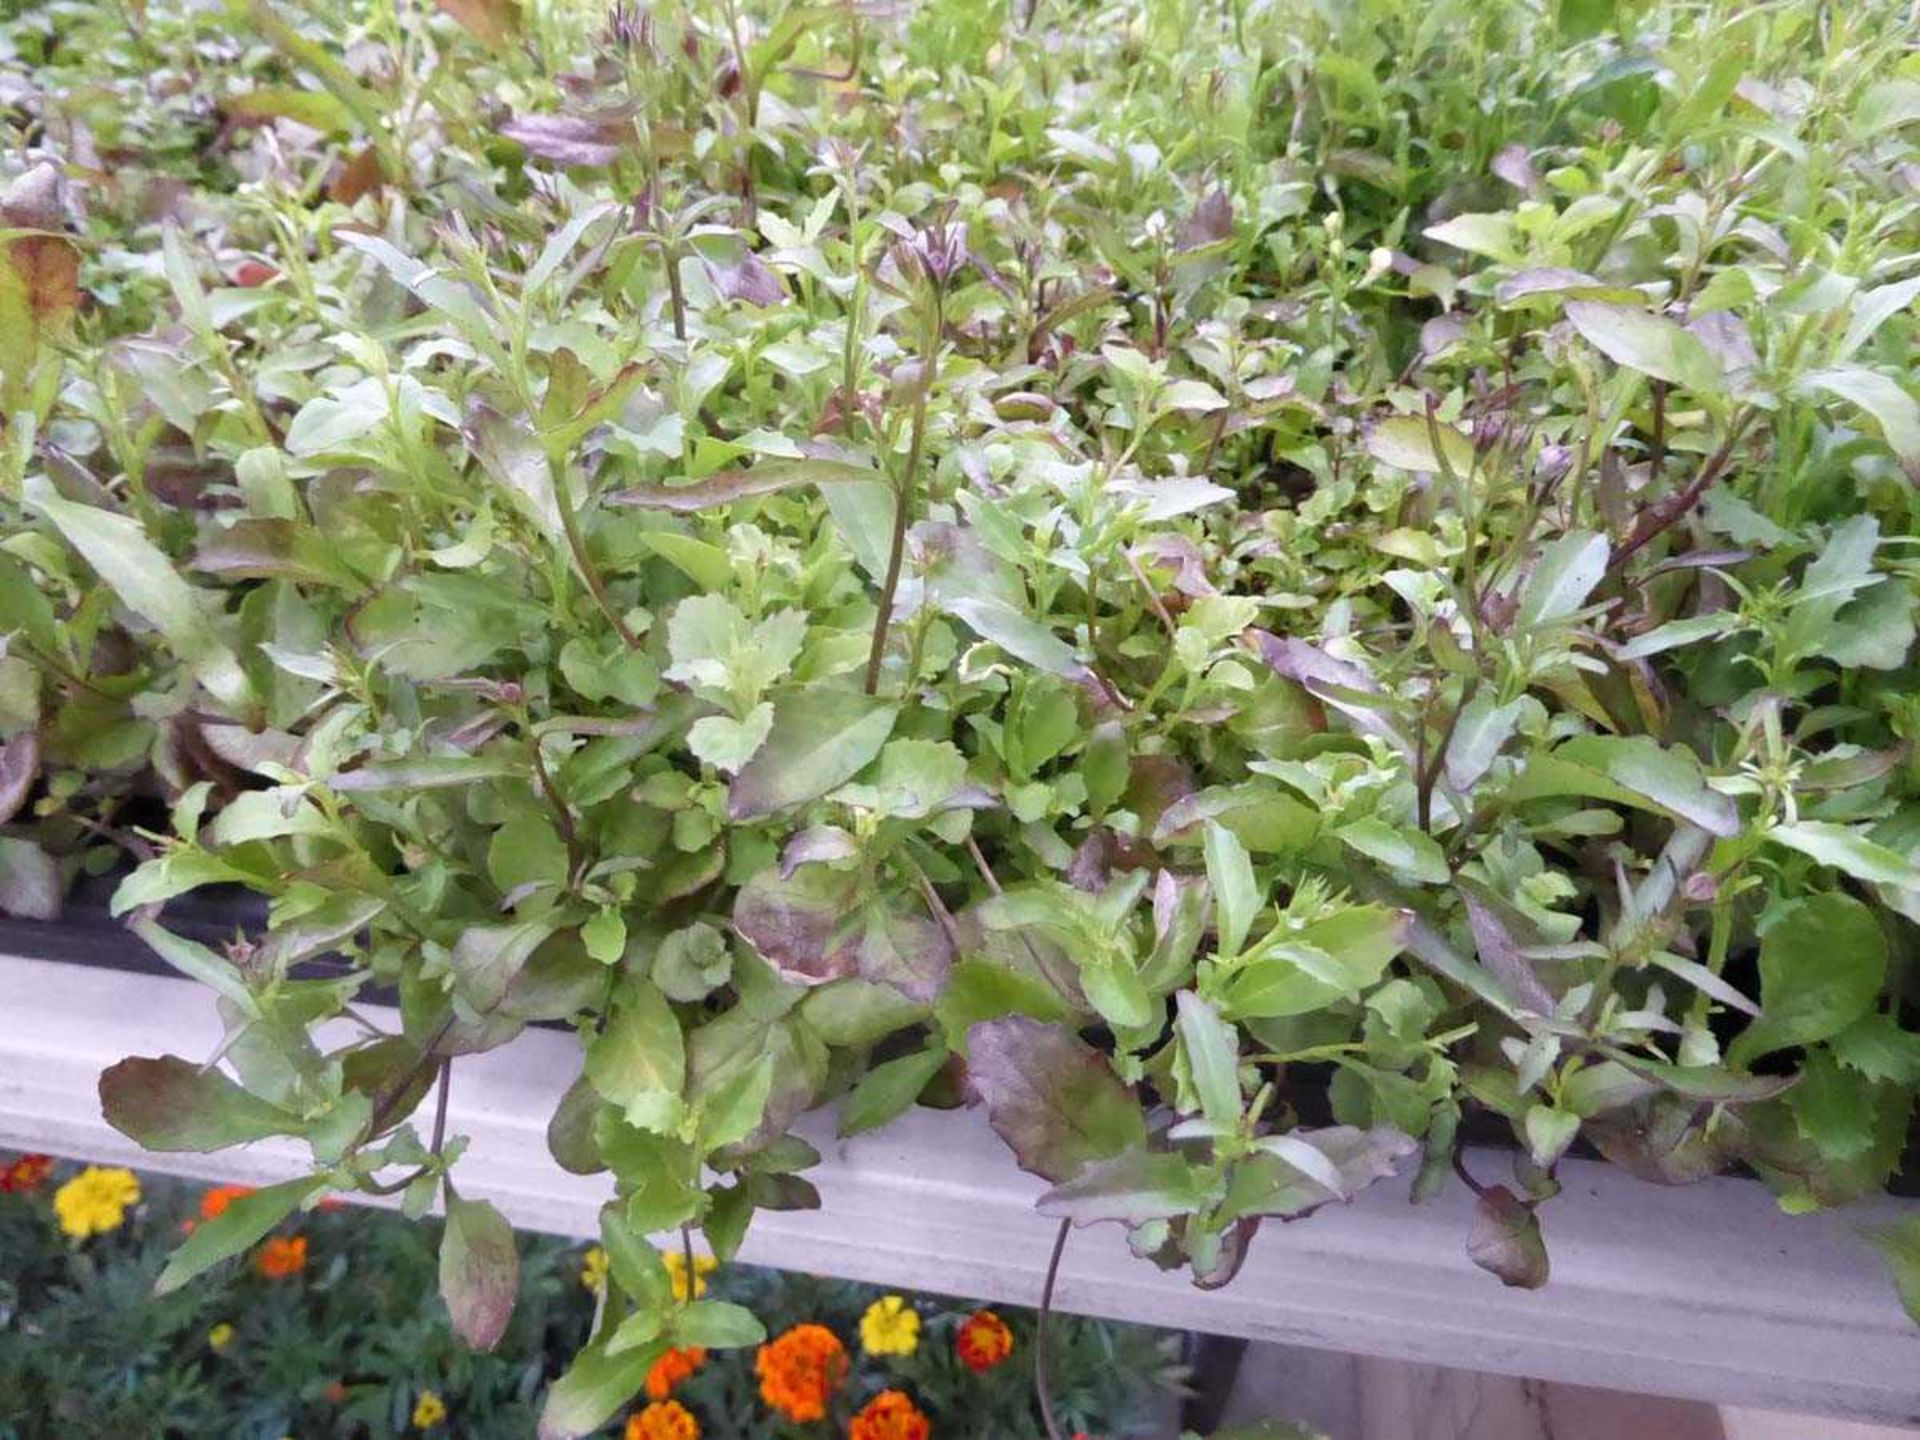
point(577, 544)
point(903, 493)
point(1042, 1383)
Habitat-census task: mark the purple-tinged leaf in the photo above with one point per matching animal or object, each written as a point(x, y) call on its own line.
point(1051, 1096)
point(744, 276)
point(801, 922)
point(572, 139)
point(479, 1270)
point(1506, 1240)
point(19, 768)
point(167, 1103)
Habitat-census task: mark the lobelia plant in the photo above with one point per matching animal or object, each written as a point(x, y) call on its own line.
point(1237, 583)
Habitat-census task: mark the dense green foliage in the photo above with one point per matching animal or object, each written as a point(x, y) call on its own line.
point(1241, 578)
point(348, 1344)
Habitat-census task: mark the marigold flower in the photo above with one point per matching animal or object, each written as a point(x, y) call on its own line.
point(663, 1420)
point(26, 1174)
point(428, 1411)
point(220, 1337)
point(891, 1415)
point(890, 1327)
point(984, 1341)
point(593, 1270)
point(703, 1266)
point(673, 1367)
point(800, 1370)
point(281, 1257)
point(213, 1204)
point(95, 1201)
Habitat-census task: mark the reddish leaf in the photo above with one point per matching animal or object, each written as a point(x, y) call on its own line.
point(39, 274)
point(479, 1270)
point(1506, 1240)
point(1051, 1096)
point(495, 23)
point(167, 1103)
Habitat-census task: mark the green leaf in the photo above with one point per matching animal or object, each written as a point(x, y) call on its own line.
point(197, 962)
point(1493, 236)
point(1407, 851)
point(1016, 632)
point(821, 739)
point(1563, 577)
point(717, 1325)
point(312, 108)
point(1051, 1096)
point(735, 1107)
point(172, 1104)
point(140, 573)
point(1890, 404)
point(595, 1385)
point(1132, 1187)
point(245, 1221)
point(1406, 443)
point(1635, 771)
point(479, 1270)
point(1888, 106)
point(727, 486)
point(1822, 962)
point(1899, 1246)
point(635, 1262)
point(1848, 849)
point(1236, 894)
point(639, 1061)
point(30, 885)
point(691, 963)
point(1211, 1049)
point(887, 1090)
point(1651, 344)
point(487, 958)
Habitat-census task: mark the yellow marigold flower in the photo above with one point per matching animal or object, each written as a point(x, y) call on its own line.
point(593, 1270)
point(219, 1337)
point(703, 1266)
point(663, 1420)
point(428, 1411)
point(95, 1201)
point(890, 1327)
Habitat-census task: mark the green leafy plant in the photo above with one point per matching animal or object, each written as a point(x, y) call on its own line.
point(1241, 583)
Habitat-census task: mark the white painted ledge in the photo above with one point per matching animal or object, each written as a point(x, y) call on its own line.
point(1706, 1291)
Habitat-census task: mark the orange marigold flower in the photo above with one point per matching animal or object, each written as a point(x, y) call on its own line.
point(673, 1367)
point(213, 1204)
point(800, 1370)
point(663, 1420)
point(891, 1415)
point(26, 1174)
point(984, 1341)
point(281, 1257)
